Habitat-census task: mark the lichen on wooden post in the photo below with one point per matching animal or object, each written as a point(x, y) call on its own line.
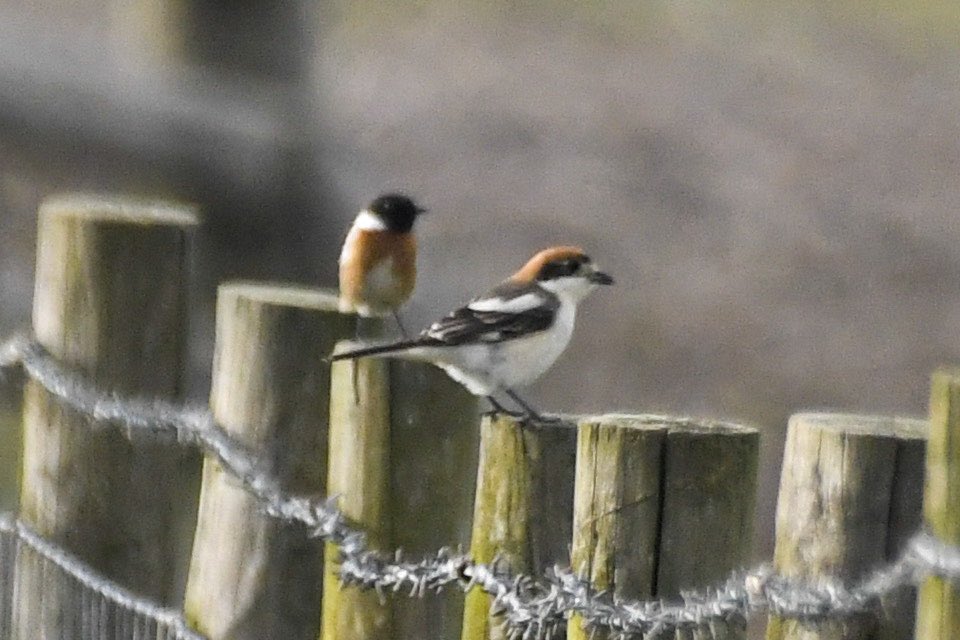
point(110, 301)
point(523, 508)
point(403, 448)
point(844, 508)
point(250, 575)
point(938, 605)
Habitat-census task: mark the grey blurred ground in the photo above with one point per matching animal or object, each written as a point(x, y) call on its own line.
point(774, 185)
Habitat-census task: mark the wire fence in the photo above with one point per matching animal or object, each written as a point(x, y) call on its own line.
point(91, 607)
point(533, 608)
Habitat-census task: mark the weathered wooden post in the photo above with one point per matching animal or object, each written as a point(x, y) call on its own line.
point(709, 490)
point(359, 474)
point(849, 497)
point(110, 301)
point(616, 512)
point(524, 506)
point(403, 446)
point(938, 606)
point(252, 576)
point(433, 472)
point(662, 504)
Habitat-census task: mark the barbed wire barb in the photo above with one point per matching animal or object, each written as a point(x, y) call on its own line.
point(532, 609)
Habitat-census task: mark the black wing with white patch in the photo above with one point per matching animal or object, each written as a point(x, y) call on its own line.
point(508, 311)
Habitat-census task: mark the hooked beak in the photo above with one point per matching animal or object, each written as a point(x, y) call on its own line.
point(599, 277)
point(421, 210)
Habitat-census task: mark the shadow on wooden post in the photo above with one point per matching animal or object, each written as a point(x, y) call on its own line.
point(662, 504)
point(110, 300)
point(403, 450)
point(849, 498)
point(524, 504)
point(433, 426)
point(938, 606)
point(252, 576)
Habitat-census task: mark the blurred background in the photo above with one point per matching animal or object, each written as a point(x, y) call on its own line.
point(773, 184)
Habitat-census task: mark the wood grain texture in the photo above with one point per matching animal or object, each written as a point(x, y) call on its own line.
point(616, 514)
point(403, 461)
point(666, 504)
point(844, 508)
point(938, 605)
point(251, 576)
point(359, 474)
point(709, 489)
point(110, 301)
point(433, 472)
point(523, 508)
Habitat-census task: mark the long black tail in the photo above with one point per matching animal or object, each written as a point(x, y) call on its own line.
point(376, 349)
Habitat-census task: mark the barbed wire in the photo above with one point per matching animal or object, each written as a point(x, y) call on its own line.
point(532, 609)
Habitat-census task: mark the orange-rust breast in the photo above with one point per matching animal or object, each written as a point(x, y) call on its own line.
point(378, 271)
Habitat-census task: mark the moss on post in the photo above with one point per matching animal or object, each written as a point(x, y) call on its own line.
point(523, 507)
point(110, 301)
point(844, 507)
point(359, 475)
point(938, 606)
point(252, 576)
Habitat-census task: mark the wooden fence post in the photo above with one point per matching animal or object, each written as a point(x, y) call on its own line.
point(433, 474)
point(403, 446)
point(662, 504)
point(524, 506)
point(709, 491)
point(849, 497)
point(938, 606)
point(616, 512)
point(252, 576)
point(110, 301)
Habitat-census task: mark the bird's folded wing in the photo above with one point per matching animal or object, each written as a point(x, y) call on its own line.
point(508, 311)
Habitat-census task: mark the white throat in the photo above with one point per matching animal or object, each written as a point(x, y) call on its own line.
point(572, 288)
point(367, 221)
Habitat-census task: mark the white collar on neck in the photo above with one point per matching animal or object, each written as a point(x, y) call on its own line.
point(369, 222)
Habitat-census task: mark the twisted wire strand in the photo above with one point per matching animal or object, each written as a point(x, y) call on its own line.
point(531, 609)
point(171, 619)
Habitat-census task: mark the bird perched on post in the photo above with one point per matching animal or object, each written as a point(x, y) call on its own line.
point(509, 336)
point(378, 262)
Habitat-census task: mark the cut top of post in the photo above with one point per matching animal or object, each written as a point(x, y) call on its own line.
point(880, 426)
point(282, 294)
point(126, 210)
point(652, 420)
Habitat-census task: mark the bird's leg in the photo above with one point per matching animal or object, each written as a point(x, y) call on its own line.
point(403, 330)
point(532, 413)
point(499, 408)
